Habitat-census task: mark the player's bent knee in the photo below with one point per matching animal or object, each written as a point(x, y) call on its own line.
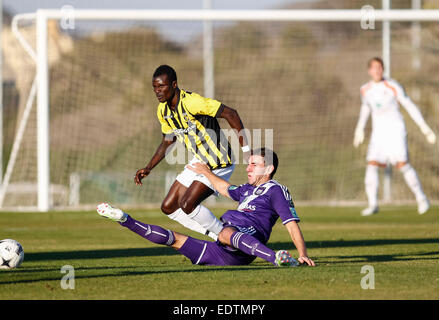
point(222, 237)
point(225, 234)
point(187, 205)
point(180, 239)
point(167, 208)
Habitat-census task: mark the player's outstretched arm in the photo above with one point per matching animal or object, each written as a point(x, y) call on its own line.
point(235, 122)
point(219, 184)
point(299, 242)
point(415, 114)
point(156, 158)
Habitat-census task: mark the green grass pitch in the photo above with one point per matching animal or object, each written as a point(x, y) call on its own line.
point(110, 262)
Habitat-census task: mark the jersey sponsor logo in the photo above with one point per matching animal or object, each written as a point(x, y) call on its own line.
point(245, 206)
point(183, 131)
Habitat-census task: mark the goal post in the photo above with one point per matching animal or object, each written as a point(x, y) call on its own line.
point(42, 16)
point(42, 112)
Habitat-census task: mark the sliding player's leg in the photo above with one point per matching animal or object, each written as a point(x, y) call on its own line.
point(171, 207)
point(253, 247)
point(213, 253)
point(413, 182)
point(371, 183)
point(153, 233)
point(198, 251)
point(150, 232)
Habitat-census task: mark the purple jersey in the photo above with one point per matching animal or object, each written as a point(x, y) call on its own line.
point(259, 207)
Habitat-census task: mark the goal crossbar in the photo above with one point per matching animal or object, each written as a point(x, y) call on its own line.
point(245, 15)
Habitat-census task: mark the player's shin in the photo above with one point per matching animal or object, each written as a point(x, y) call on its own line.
point(206, 219)
point(252, 246)
point(150, 232)
point(371, 182)
point(412, 180)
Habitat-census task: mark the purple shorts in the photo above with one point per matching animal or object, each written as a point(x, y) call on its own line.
point(213, 253)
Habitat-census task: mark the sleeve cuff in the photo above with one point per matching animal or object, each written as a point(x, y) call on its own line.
point(219, 111)
point(289, 220)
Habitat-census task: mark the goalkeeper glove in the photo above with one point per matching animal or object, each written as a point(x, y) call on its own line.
point(429, 134)
point(358, 137)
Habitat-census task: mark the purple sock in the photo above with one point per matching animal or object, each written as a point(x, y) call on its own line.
point(150, 232)
point(252, 246)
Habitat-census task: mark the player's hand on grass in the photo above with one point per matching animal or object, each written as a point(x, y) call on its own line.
point(198, 167)
point(140, 174)
point(358, 137)
point(306, 260)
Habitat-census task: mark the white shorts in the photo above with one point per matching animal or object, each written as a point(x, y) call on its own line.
point(187, 176)
point(388, 149)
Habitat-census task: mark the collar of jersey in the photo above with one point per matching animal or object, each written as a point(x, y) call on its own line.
point(178, 102)
point(257, 187)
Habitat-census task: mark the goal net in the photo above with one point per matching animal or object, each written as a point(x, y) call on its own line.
point(300, 79)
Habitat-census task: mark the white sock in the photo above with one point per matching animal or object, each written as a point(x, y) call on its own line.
point(412, 180)
point(181, 217)
point(371, 182)
point(206, 219)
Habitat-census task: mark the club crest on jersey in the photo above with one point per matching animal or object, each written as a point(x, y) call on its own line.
point(259, 191)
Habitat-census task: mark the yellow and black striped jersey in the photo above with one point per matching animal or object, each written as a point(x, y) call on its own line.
point(194, 123)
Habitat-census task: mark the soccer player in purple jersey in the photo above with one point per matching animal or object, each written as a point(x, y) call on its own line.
point(246, 230)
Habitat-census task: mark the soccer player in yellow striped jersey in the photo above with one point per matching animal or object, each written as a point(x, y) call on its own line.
point(192, 120)
point(194, 123)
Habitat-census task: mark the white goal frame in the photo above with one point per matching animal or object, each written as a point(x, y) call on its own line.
point(42, 16)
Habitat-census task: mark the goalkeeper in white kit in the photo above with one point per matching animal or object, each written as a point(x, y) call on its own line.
point(388, 141)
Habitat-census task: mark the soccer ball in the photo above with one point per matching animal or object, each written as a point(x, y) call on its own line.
point(11, 254)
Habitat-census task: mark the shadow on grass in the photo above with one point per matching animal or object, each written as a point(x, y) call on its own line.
point(125, 273)
point(354, 243)
point(100, 254)
point(343, 259)
point(378, 258)
point(165, 251)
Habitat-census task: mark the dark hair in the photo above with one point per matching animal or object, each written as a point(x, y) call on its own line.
point(270, 158)
point(377, 59)
point(165, 69)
